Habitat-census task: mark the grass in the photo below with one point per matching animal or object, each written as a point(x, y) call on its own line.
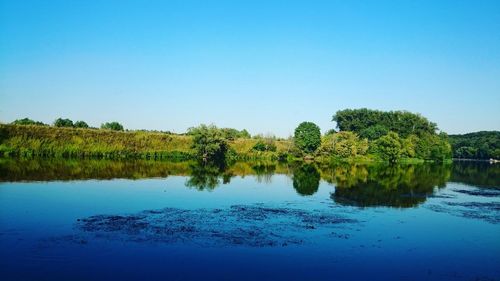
point(44, 141)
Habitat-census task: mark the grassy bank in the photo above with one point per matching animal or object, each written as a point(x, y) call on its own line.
point(44, 141)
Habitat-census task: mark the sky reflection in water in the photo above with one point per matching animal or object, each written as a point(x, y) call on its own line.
point(97, 220)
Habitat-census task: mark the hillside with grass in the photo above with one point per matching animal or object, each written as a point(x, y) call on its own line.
point(47, 141)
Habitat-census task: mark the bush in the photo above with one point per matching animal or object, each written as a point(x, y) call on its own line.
point(209, 143)
point(115, 126)
point(60, 122)
point(388, 147)
point(81, 124)
point(265, 145)
point(27, 121)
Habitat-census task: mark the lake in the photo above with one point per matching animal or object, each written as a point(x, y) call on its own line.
point(147, 220)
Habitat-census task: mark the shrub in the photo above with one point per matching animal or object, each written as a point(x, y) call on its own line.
point(115, 126)
point(60, 122)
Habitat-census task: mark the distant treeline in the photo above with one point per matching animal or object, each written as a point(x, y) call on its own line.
point(479, 145)
point(363, 135)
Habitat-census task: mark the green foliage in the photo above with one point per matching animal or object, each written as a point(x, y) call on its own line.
point(60, 122)
point(115, 126)
point(330, 132)
point(209, 143)
point(265, 145)
point(229, 133)
point(343, 145)
point(479, 145)
point(372, 124)
point(374, 132)
point(81, 124)
point(307, 137)
point(27, 121)
point(388, 147)
point(433, 147)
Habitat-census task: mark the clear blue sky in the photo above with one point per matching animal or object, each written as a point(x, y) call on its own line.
point(261, 65)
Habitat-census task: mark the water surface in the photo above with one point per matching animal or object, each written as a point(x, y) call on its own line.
point(146, 220)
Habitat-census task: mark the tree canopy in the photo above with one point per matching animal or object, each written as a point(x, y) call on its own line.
point(479, 145)
point(307, 137)
point(112, 126)
point(372, 124)
point(209, 143)
point(81, 124)
point(60, 122)
point(27, 121)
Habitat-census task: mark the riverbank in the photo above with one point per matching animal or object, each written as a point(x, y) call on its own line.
point(53, 142)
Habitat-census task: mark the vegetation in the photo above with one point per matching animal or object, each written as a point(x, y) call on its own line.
point(81, 124)
point(479, 145)
point(115, 126)
point(392, 136)
point(265, 145)
point(60, 122)
point(44, 141)
point(27, 121)
point(388, 147)
point(209, 143)
point(307, 137)
point(372, 124)
point(364, 136)
point(343, 145)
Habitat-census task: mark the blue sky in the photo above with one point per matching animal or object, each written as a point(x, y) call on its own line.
point(260, 65)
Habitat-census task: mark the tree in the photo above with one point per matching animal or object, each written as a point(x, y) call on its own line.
point(375, 123)
point(27, 121)
point(81, 124)
point(115, 126)
point(479, 145)
point(307, 137)
point(388, 147)
point(60, 122)
point(433, 147)
point(209, 143)
point(343, 144)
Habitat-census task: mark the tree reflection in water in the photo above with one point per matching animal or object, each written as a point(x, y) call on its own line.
point(207, 176)
point(306, 179)
point(400, 186)
point(359, 185)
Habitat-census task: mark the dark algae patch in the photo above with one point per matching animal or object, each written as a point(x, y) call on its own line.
point(246, 225)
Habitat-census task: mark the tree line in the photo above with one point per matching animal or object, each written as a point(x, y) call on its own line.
point(479, 145)
point(362, 133)
point(68, 123)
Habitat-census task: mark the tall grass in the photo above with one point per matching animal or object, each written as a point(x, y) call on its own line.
point(53, 142)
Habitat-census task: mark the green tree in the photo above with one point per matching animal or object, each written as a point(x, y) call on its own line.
point(343, 144)
point(27, 121)
point(307, 137)
point(388, 147)
point(81, 124)
point(373, 123)
point(478, 145)
point(433, 147)
point(115, 126)
point(209, 143)
point(60, 122)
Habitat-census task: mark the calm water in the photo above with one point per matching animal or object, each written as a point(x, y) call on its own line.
point(103, 220)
